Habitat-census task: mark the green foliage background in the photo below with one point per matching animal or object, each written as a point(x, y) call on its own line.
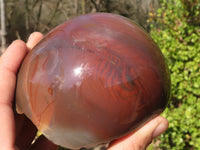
point(176, 29)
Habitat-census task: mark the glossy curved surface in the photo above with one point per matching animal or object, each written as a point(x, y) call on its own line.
point(92, 79)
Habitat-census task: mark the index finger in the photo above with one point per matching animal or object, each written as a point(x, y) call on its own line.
point(10, 62)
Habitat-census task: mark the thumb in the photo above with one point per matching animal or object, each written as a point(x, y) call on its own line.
point(141, 138)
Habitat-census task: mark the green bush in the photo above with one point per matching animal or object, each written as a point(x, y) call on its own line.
point(176, 29)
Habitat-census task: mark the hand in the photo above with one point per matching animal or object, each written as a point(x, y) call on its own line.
point(17, 131)
point(140, 139)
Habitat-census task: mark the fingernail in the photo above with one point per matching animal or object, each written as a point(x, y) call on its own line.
point(159, 130)
point(29, 38)
point(30, 41)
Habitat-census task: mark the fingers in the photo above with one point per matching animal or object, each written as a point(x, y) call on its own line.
point(9, 64)
point(43, 143)
point(12, 57)
point(140, 139)
point(33, 39)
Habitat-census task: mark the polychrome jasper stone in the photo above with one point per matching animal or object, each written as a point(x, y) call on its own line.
point(91, 80)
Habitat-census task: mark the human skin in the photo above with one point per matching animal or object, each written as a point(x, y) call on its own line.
point(17, 131)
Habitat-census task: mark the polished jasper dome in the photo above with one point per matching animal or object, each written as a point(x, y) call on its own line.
point(91, 80)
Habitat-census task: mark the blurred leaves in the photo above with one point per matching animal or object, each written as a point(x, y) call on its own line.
point(176, 29)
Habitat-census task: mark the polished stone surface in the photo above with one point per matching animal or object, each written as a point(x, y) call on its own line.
point(93, 79)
